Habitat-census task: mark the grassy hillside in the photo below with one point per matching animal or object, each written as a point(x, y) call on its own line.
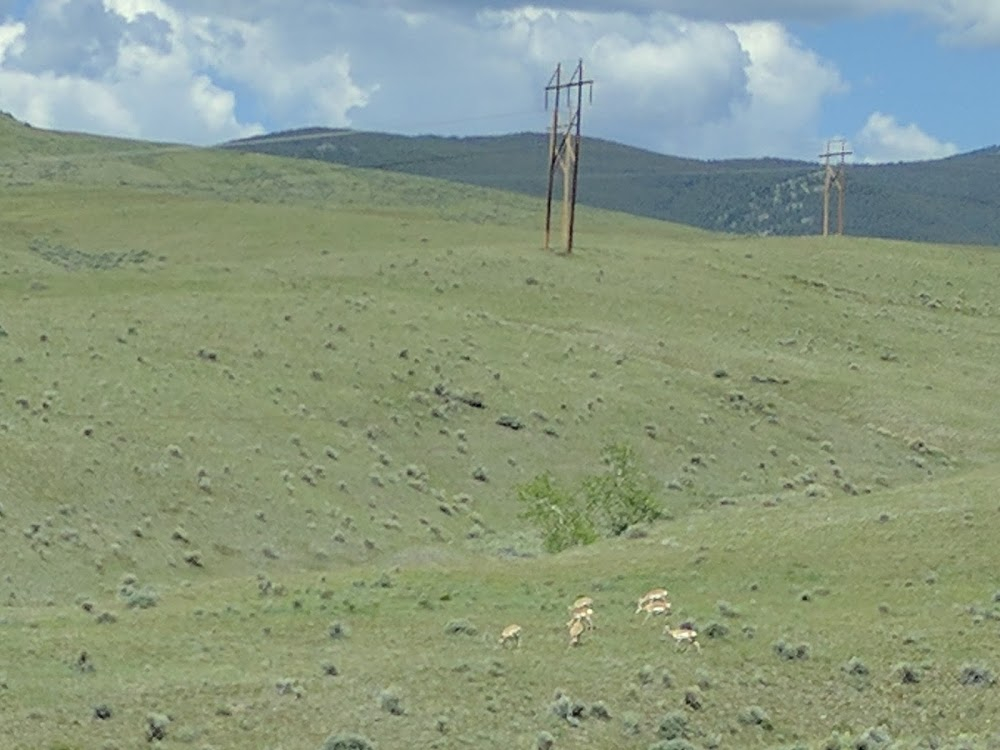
point(255, 480)
point(947, 200)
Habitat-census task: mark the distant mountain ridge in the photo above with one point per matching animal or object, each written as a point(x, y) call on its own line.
point(952, 200)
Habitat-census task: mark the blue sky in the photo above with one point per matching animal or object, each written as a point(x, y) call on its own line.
point(898, 79)
point(904, 66)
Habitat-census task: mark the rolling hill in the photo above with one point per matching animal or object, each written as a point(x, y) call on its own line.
point(948, 200)
point(265, 424)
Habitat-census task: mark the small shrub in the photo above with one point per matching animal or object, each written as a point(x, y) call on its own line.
point(791, 652)
point(460, 627)
point(339, 630)
point(156, 727)
point(975, 675)
point(672, 726)
point(726, 609)
point(144, 598)
point(631, 724)
point(854, 666)
point(715, 630)
point(561, 705)
point(693, 699)
point(347, 742)
point(83, 663)
point(757, 717)
point(544, 741)
point(908, 674)
point(600, 711)
point(390, 702)
point(873, 738)
point(645, 674)
point(288, 686)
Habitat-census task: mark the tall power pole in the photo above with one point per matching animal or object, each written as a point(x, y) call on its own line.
point(834, 176)
point(564, 148)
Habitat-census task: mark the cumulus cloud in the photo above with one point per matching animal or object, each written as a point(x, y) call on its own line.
point(883, 139)
point(121, 67)
point(10, 37)
point(971, 21)
point(709, 78)
point(786, 85)
point(967, 21)
point(655, 79)
point(167, 69)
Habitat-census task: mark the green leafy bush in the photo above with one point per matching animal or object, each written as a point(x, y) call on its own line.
point(558, 514)
point(610, 502)
point(622, 496)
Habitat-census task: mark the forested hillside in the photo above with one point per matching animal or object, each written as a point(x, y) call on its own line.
point(952, 200)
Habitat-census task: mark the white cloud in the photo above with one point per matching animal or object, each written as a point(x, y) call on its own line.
point(883, 139)
point(697, 77)
point(181, 73)
point(121, 67)
point(303, 83)
point(11, 35)
point(680, 86)
point(787, 85)
point(64, 103)
point(967, 21)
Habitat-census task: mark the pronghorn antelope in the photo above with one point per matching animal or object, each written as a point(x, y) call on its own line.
point(583, 601)
point(684, 634)
point(583, 615)
point(576, 629)
point(511, 634)
point(654, 607)
point(653, 595)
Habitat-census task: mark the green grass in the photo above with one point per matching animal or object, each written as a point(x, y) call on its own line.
point(242, 357)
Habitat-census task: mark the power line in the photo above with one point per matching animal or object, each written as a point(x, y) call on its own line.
point(834, 176)
point(564, 151)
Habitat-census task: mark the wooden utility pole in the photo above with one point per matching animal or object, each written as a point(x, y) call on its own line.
point(834, 176)
point(564, 149)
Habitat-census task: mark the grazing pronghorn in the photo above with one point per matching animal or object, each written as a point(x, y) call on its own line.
point(583, 601)
point(684, 634)
point(654, 607)
point(653, 595)
point(583, 615)
point(511, 634)
point(576, 629)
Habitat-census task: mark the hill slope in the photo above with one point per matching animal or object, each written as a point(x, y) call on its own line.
point(947, 200)
point(260, 473)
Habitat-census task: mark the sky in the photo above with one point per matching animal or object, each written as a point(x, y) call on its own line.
point(897, 80)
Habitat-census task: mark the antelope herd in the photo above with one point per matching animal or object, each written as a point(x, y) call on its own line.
point(581, 619)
